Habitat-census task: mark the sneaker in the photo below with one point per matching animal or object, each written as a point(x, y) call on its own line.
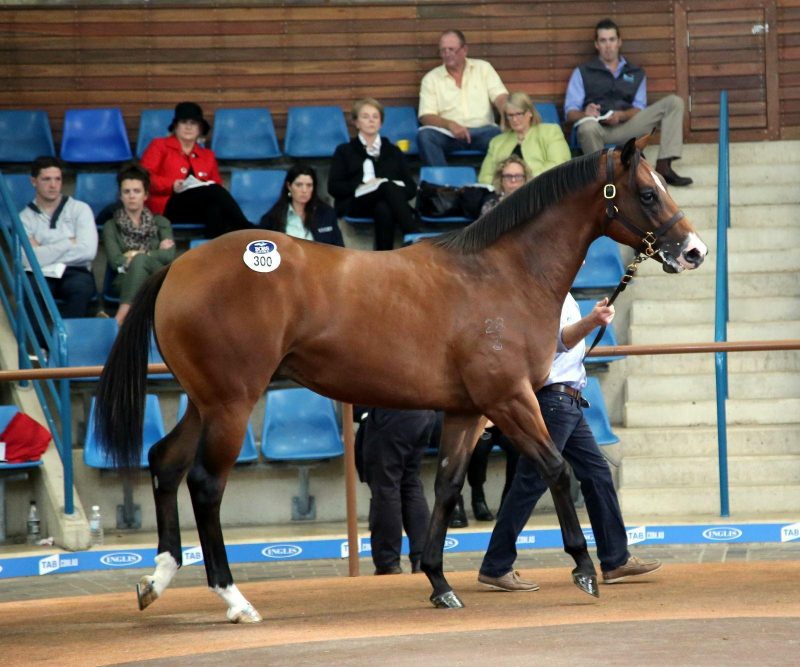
point(510, 581)
point(633, 568)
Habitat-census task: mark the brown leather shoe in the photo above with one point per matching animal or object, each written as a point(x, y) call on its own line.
point(633, 568)
point(510, 582)
point(664, 167)
point(390, 569)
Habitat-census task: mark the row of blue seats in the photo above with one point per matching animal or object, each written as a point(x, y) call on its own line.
point(100, 135)
point(299, 426)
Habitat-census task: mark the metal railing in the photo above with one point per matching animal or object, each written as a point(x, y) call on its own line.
point(38, 328)
point(722, 309)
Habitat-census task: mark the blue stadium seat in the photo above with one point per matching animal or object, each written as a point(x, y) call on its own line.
point(548, 112)
point(256, 190)
point(455, 176)
point(154, 357)
point(603, 268)
point(597, 415)
point(95, 135)
point(89, 341)
point(300, 429)
point(153, 123)
point(244, 134)
point(153, 431)
point(314, 131)
point(196, 243)
point(409, 239)
point(609, 337)
point(249, 453)
point(401, 123)
point(97, 188)
point(25, 135)
point(21, 189)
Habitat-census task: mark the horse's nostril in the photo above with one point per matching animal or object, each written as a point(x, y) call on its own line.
point(694, 256)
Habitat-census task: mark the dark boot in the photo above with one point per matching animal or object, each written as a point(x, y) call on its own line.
point(479, 507)
point(664, 167)
point(459, 516)
point(389, 569)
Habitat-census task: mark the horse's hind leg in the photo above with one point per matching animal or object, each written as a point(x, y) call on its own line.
point(521, 421)
point(220, 441)
point(169, 461)
point(459, 435)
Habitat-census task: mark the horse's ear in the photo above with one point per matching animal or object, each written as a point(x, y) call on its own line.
point(627, 152)
point(641, 142)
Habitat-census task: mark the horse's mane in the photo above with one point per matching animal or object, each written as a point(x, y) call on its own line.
point(523, 205)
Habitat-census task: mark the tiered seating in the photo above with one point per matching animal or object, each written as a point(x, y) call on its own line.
point(300, 429)
point(314, 132)
point(244, 134)
point(603, 268)
point(256, 190)
point(597, 415)
point(25, 135)
point(455, 176)
point(21, 189)
point(249, 453)
point(96, 188)
point(95, 135)
point(153, 123)
point(401, 123)
point(548, 112)
point(89, 341)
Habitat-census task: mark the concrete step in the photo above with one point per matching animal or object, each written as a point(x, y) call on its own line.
point(641, 334)
point(778, 214)
point(678, 471)
point(750, 309)
point(753, 261)
point(701, 283)
point(742, 175)
point(750, 239)
point(767, 193)
point(740, 386)
point(703, 412)
point(678, 441)
point(744, 152)
point(677, 500)
point(678, 365)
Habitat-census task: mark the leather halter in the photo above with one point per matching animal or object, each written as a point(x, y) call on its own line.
point(646, 249)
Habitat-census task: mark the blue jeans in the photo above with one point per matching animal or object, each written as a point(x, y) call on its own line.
point(435, 146)
point(573, 438)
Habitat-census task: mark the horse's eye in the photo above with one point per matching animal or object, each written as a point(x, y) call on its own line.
point(647, 197)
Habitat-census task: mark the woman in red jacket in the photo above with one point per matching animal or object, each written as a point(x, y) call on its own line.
point(185, 185)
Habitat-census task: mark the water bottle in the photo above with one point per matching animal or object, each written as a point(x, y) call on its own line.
point(34, 525)
point(96, 527)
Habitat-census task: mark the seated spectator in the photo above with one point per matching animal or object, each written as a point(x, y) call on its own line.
point(370, 178)
point(607, 100)
point(455, 102)
point(137, 242)
point(541, 145)
point(64, 238)
point(185, 185)
point(300, 212)
point(509, 176)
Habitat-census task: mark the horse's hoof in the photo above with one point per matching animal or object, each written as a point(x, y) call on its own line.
point(246, 614)
point(448, 600)
point(587, 583)
point(145, 592)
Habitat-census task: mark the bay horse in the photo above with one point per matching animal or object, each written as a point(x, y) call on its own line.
point(465, 323)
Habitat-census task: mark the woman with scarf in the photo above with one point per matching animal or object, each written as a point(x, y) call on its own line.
point(137, 242)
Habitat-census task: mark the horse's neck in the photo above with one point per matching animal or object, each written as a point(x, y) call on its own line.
point(554, 246)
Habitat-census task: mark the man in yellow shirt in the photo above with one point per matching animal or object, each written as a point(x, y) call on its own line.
point(456, 102)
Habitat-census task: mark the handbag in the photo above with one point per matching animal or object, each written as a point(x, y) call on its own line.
point(445, 201)
point(24, 439)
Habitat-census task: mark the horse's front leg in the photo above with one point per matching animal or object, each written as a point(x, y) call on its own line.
point(459, 435)
point(520, 419)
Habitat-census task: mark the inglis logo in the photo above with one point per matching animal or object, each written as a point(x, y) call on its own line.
point(121, 559)
point(722, 534)
point(450, 543)
point(282, 551)
point(261, 247)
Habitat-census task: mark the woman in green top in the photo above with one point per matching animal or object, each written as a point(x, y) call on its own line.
point(137, 242)
point(541, 145)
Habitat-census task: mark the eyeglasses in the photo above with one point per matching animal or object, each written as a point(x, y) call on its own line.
point(449, 51)
point(515, 115)
point(513, 177)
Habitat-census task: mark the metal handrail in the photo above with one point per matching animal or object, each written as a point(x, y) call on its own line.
point(38, 329)
point(722, 309)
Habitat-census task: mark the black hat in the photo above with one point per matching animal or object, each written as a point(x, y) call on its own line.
point(189, 111)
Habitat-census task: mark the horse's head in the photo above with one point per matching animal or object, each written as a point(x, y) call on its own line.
point(641, 213)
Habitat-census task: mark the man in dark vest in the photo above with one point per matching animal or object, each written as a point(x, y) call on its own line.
point(607, 100)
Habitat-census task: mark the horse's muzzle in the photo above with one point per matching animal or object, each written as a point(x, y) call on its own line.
point(689, 255)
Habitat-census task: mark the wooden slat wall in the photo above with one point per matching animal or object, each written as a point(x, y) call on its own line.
point(141, 55)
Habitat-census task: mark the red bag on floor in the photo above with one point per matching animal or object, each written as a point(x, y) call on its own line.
point(25, 439)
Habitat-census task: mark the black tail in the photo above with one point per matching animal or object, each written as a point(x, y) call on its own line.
point(119, 405)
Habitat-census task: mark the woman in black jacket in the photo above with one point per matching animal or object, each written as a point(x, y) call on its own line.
point(369, 177)
point(300, 212)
